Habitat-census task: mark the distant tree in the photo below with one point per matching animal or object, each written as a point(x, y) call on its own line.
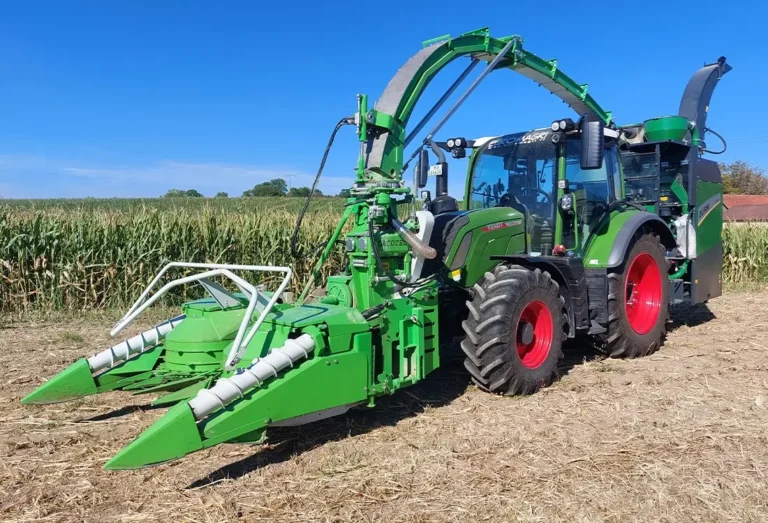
point(742, 178)
point(299, 192)
point(181, 193)
point(302, 192)
point(222, 194)
point(345, 193)
point(275, 187)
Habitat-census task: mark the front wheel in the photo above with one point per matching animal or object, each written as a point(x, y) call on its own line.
point(514, 331)
point(638, 301)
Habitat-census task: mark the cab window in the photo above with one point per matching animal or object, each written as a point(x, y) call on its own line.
point(591, 188)
point(519, 171)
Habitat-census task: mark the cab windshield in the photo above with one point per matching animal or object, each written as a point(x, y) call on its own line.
point(519, 171)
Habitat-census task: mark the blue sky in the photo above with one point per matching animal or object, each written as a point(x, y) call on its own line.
point(131, 98)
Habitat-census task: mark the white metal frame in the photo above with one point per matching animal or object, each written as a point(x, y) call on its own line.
point(242, 339)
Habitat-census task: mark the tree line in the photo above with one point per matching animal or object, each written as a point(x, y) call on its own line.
point(274, 187)
point(738, 178)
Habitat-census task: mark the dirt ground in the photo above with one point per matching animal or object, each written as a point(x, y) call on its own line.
point(679, 436)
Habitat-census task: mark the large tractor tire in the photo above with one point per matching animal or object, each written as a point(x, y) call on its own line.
point(514, 331)
point(638, 301)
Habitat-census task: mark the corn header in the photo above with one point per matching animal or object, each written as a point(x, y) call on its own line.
point(582, 227)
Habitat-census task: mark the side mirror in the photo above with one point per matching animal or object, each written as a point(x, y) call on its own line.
point(422, 169)
point(592, 142)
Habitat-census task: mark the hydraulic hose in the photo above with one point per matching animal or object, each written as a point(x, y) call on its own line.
point(680, 271)
point(300, 217)
point(388, 273)
point(421, 249)
point(725, 145)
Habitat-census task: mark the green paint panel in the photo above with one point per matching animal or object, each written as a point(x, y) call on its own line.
point(314, 385)
point(75, 381)
point(138, 365)
point(709, 216)
point(151, 380)
point(182, 394)
point(598, 248)
point(172, 436)
point(495, 230)
point(340, 320)
point(199, 343)
point(268, 336)
point(666, 128)
point(206, 327)
point(136, 381)
point(172, 383)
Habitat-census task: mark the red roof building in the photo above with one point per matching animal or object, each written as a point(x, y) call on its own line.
point(745, 207)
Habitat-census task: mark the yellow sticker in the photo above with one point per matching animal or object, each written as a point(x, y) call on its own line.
point(456, 275)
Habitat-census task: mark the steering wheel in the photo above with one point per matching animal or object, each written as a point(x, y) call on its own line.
point(544, 193)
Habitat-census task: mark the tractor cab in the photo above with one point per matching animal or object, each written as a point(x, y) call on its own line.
point(518, 171)
point(543, 175)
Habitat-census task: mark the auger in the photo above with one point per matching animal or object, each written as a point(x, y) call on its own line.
point(581, 227)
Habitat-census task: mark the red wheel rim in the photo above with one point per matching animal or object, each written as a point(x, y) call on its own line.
point(643, 293)
point(540, 325)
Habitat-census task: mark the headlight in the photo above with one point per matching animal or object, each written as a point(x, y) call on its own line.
point(564, 125)
point(566, 202)
point(450, 143)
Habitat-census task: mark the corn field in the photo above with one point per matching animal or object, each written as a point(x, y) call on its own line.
point(90, 257)
point(89, 254)
point(745, 253)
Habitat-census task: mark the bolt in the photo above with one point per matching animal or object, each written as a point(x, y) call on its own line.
point(365, 389)
point(328, 363)
point(336, 362)
point(268, 421)
point(415, 319)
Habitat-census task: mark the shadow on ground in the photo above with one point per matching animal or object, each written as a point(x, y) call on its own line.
point(122, 411)
point(689, 315)
point(441, 388)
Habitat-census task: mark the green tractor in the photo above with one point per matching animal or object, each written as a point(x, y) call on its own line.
point(581, 228)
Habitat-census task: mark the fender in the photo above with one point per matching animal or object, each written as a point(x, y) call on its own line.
point(639, 220)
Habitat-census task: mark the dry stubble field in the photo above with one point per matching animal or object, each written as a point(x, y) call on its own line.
point(678, 436)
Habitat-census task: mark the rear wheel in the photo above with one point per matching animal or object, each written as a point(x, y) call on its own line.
point(514, 331)
point(638, 300)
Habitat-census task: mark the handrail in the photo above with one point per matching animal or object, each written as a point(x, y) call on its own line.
point(242, 339)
